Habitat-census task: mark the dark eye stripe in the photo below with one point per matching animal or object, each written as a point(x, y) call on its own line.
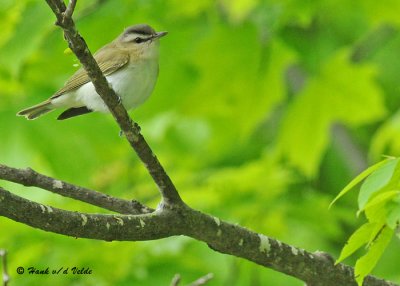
point(139, 40)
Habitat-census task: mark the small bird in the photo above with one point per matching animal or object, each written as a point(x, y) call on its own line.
point(130, 65)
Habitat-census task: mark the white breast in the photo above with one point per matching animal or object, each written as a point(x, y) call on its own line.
point(134, 84)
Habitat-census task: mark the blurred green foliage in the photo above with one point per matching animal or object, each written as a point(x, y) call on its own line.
point(262, 112)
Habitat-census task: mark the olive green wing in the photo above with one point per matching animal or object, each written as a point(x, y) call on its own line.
point(109, 60)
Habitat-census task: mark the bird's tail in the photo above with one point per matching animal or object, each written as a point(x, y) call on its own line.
point(37, 110)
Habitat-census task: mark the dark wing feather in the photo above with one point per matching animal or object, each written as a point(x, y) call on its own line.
point(75, 111)
point(112, 59)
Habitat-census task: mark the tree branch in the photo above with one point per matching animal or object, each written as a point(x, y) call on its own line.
point(131, 129)
point(313, 268)
point(29, 177)
point(82, 225)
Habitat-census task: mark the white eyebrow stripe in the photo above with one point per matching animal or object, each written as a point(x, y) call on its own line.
point(131, 37)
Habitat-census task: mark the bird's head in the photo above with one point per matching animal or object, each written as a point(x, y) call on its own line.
point(141, 39)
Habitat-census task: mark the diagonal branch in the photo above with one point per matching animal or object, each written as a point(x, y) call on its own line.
point(202, 280)
point(131, 129)
point(175, 280)
point(29, 177)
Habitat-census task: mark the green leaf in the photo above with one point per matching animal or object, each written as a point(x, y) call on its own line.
point(380, 199)
point(393, 217)
point(366, 263)
point(376, 181)
point(359, 178)
point(360, 237)
point(378, 211)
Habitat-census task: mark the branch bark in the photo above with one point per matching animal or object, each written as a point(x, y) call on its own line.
point(314, 268)
point(172, 217)
point(29, 177)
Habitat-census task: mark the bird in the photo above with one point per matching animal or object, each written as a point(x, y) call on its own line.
point(130, 65)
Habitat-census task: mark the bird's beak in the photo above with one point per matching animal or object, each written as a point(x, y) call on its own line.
point(159, 35)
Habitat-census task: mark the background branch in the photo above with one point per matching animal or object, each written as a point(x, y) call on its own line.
point(6, 277)
point(175, 280)
point(202, 280)
point(29, 177)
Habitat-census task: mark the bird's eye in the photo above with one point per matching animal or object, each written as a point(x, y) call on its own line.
point(138, 40)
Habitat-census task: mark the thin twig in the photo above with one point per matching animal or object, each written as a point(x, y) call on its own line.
point(70, 9)
point(202, 280)
point(6, 277)
point(176, 280)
